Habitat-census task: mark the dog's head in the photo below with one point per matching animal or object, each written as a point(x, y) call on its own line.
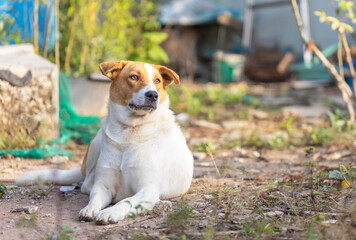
point(139, 86)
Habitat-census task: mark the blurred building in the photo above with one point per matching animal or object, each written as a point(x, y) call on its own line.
point(199, 28)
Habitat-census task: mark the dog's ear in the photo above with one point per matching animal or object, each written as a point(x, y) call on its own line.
point(112, 69)
point(168, 75)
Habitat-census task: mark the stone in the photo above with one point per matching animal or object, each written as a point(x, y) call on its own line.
point(27, 209)
point(208, 196)
point(59, 159)
point(182, 118)
point(199, 155)
point(260, 115)
point(313, 111)
point(273, 213)
point(206, 124)
point(67, 188)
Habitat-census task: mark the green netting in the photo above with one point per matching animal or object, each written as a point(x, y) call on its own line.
point(71, 125)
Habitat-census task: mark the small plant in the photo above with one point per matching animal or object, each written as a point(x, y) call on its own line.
point(180, 215)
point(27, 221)
point(347, 175)
point(2, 190)
point(64, 233)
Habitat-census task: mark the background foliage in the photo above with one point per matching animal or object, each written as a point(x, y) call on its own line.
point(93, 31)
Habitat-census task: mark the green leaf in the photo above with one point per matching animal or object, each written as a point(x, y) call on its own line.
point(335, 174)
point(155, 37)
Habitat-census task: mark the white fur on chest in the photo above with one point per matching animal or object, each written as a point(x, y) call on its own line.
point(153, 152)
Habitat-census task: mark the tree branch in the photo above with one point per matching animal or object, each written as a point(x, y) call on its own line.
point(340, 82)
point(349, 61)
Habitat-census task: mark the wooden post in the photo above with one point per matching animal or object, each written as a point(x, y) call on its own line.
point(340, 82)
point(57, 34)
point(35, 25)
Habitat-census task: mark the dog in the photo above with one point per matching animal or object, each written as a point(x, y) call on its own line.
point(139, 155)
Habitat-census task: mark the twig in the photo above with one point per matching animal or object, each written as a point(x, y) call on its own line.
point(35, 25)
point(7, 180)
point(339, 57)
point(212, 158)
point(349, 61)
point(48, 29)
point(57, 34)
point(340, 82)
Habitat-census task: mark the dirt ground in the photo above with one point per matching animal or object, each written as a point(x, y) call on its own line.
point(248, 193)
point(248, 174)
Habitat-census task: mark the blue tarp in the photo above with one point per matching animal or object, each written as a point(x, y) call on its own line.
point(193, 12)
point(22, 12)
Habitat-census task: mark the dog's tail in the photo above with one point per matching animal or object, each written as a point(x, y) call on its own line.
point(50, 176)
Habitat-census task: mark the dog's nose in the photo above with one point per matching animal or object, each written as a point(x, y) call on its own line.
point(151, 95)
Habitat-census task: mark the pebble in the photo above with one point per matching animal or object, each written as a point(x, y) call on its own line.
point(67, 188)
point(208, 196)
point(273, 213)
point(199, 155)
point(182, 118)
point(27, 209)
point(59, 159)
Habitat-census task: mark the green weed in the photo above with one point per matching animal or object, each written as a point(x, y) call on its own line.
point(180, 215)
point(64, 233)
point(2, 190)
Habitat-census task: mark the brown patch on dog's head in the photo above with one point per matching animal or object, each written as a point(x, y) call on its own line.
point(166, 77)
point(124, 84)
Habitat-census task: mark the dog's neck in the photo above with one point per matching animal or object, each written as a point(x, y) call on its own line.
point(121, 124)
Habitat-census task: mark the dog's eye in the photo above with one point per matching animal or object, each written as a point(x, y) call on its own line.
point(134, 77)
point(157, 81)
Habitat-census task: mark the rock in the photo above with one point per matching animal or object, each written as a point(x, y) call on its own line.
point(67, 188)
point(182, 118)
point(59, 159)
point(256, 154)
point(266, 137)
point(260, 115)
point(313, 111)
point(195, 212)
point(28, 210)
point(8, 187)
point(221, 215)
point(240, 151)
point(331, 221)
point(199, 155)
point(206, 124)
point(339, 155)
point(234, 124)
point(162, 207)
point(273, 213)
point(208, 196)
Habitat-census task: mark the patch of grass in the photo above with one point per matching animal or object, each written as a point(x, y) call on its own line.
point(2, 190)
point(27, 221)
point(205, 147)
point(211, 102)
point(39, 190)
point(141, 236)
point(64, 233)
point(180, 215)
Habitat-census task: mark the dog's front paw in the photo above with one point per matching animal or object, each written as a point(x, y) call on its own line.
point(109, 216)
point(87, 214)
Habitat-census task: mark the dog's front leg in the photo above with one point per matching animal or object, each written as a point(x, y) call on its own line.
point(100, 195)
point(144, 200)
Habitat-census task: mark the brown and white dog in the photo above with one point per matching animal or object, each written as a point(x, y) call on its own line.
point(139, 155)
